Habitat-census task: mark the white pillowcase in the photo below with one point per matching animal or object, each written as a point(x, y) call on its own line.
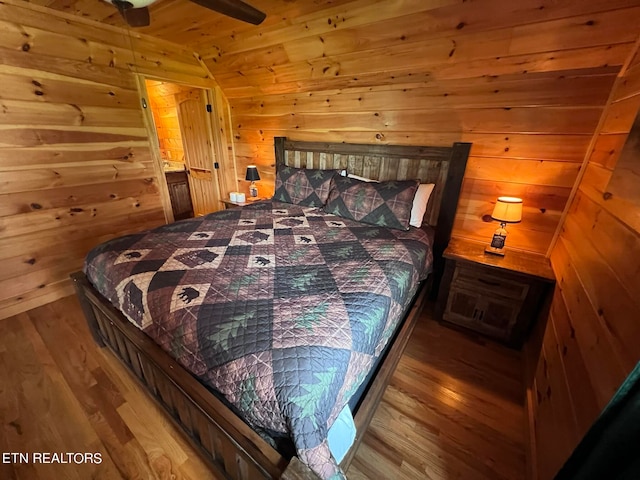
point(420, 201)
point(362, 179)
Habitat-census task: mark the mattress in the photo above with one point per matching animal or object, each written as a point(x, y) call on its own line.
point(281, 309)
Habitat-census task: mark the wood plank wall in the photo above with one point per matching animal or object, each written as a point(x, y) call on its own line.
point(591, 339)
point(525, 81)
point(165, 115)
point(75, 164)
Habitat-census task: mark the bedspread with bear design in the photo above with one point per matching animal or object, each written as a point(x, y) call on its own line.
point(280, 308)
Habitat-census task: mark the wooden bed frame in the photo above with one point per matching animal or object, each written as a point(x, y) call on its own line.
point(229, 445)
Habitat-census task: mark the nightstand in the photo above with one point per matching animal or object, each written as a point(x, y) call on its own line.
point(500, 297)
point(230, 204)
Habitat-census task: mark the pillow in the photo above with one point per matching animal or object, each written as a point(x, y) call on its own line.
point(386, 204)
point(420, 202)
point(363, 179)
point(302, 186)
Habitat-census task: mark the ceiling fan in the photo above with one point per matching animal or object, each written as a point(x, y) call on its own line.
point(136, 12)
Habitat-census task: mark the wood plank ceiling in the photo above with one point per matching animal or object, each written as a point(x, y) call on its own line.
point(525, 81)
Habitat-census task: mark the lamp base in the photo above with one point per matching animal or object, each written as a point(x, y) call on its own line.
point(494, 251)
point(253, 190)
point(497, 242)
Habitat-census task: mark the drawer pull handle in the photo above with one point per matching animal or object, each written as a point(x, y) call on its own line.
point(488, 282)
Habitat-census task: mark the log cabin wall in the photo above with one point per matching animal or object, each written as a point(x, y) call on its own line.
point(75, 164)
point(525, 81)
point(591, 339)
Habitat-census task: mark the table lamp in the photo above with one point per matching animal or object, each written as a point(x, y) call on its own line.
point(507, 210)
point(252, 175)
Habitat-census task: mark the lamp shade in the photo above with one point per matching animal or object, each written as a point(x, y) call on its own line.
point(137, 3)
point(508, 210)
point(252, 173)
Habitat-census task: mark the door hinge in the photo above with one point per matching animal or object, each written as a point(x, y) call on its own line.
point(209, 108)
point(216, 165)
point(144, 102)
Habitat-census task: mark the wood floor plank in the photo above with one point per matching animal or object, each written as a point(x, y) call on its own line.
point(49, 414)
point(412, 455)
point(372, 465)
point(416, 420)
point(476, 361)
point(11, 430)
point(453, 409)
point(487, 410)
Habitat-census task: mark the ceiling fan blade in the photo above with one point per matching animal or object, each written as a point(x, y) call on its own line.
point(136, 17)
point(234, 8)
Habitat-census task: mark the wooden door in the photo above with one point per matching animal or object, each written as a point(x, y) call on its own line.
point(198, 151)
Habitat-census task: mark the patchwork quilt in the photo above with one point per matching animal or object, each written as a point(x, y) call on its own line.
point(280, 308)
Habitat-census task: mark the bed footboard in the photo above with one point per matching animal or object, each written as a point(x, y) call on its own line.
point(230, 446)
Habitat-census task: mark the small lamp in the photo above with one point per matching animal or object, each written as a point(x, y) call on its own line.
point(252, 175)
point(507, 210)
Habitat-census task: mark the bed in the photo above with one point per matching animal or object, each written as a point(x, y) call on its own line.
point(148, 270)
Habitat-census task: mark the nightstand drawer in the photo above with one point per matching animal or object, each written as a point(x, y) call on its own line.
point(480, 279)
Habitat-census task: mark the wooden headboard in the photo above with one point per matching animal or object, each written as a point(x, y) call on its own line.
point(443, 166)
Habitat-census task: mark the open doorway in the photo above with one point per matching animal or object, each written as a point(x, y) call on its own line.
point(184, 133)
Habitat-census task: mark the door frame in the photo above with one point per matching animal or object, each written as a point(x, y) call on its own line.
point(218, 145)
point(154, 146)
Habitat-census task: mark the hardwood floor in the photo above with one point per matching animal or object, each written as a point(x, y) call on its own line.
point(454, 409)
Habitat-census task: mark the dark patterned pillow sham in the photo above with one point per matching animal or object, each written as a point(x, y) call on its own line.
point(387, 204)
point(302, 186)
